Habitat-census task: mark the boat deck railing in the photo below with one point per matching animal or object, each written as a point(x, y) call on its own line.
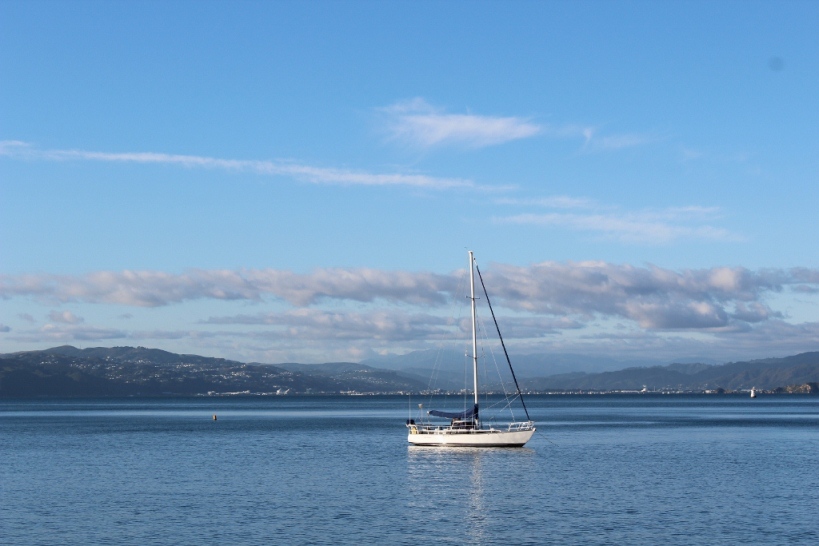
point(449, 429)
point(521, 425)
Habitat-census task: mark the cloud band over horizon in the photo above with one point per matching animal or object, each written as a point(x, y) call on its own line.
point(652, 296)
point(573, 306)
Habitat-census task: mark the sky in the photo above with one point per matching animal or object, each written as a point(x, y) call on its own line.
point(301, 181)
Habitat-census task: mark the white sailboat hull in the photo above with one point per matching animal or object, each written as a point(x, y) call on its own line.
point(470, 438)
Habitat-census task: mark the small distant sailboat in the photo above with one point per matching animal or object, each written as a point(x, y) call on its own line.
point(465, 428)
point(753, 392)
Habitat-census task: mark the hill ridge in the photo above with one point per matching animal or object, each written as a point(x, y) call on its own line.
point(133, 371)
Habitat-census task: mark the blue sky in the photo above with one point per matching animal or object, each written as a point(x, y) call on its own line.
point(299, 181)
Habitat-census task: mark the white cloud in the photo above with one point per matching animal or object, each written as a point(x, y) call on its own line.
point(387, 325)
point(156, 288)
point(646, 227)
point(595, 140)
point(419, 124)
point(621, 141)
point(67, 333)
point(579, 307)
point(305, 173)
point(570, 131)
point(652, 297)
point(375, 325)
point(553, 202)
point(769, 339)
point(416, 122)
point(65, 317)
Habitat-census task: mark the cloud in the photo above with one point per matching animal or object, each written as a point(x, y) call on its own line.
point(4, 328)
point(387, 325)
point(134, 288)
point(670, 314)
point(361, 285)
point(552, 201)
point(649, 226)
point(65, 333)
point(594, 140)
point(806, 289)
point(575, 292)
point(65, 317)
point(376, 325)
point(156, 288)
point(621, 141)
point(515, 327)
point(771, 338)
point(570, 131)
point(418, 123)
point(306, 173)
point(591, 308)
point(808, 276)
point(754, 312)
point(654, 298)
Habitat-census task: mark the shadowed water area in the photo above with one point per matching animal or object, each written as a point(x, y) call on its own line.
point(328, 470)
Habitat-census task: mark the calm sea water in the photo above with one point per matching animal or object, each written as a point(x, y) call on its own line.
point(330, 470)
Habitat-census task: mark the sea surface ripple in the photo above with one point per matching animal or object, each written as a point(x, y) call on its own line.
point(636, 469)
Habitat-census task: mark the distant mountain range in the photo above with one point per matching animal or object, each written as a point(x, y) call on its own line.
point(767, 374)
point(129, 371)
point(526, 365)
point(138, 371)
point(446, 366)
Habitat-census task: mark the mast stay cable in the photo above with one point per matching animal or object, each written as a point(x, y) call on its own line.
point(506, 354)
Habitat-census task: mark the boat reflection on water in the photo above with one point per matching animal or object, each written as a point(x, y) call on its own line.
point(455, 486)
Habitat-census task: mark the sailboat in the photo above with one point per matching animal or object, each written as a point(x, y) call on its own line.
point(465, 428)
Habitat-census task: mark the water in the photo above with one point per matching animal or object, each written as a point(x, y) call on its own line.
point(327, 470)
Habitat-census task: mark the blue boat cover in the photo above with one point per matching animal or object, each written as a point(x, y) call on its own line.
point(466, 414)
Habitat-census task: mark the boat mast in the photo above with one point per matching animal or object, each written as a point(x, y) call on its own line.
point(474, 328)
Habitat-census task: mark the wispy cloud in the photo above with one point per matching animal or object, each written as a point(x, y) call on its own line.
point(595, 139)
point(650, 226)
point(418, 123)
point(306, 173)
point(621, 141)
point(690, 154)
point(552, 202)
point(628, 228)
